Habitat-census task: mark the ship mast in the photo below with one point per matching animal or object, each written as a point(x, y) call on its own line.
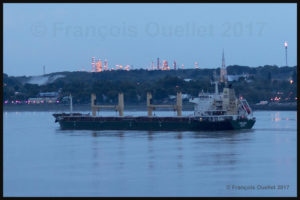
point(71, 105)
point(216, 83)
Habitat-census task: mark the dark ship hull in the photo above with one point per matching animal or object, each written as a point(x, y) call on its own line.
point(86, 122)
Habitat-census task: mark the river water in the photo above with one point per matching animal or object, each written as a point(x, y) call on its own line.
point(42, 160)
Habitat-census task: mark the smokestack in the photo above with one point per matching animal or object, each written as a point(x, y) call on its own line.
point(93, 64)
point(99, 66)
point(105, 65)
point(286, 46)
point(165, 65)
point(152, 65)
point(174, 64)
point(196, 65)
point(157, 63)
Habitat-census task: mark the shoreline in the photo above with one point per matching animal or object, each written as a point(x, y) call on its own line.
point(87, 107)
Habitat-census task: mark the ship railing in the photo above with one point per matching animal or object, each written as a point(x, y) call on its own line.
point(246, 107)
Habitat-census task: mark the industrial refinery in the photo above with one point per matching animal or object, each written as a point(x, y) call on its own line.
point(99, 66)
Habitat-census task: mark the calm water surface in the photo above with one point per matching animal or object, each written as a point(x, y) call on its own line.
point(42, 160)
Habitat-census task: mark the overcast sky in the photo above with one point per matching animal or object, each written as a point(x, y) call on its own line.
point(64, 37)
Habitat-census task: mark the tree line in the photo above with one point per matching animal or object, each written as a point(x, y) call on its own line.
point(261, 83)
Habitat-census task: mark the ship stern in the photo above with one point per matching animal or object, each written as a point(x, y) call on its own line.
point(243, 123)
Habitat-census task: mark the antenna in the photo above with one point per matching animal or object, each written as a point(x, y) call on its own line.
point(44, 69)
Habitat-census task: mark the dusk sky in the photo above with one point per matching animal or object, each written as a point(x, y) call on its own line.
point(64, 37)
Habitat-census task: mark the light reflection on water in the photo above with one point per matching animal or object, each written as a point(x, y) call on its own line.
point(275, 116)
point(42, 160)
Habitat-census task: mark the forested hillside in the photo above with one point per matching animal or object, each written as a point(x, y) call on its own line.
point(255, 84)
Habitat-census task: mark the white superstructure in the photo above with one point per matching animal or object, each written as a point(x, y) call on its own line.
point(220, 104)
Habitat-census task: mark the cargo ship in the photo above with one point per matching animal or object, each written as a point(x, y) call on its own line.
point(212, 112)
